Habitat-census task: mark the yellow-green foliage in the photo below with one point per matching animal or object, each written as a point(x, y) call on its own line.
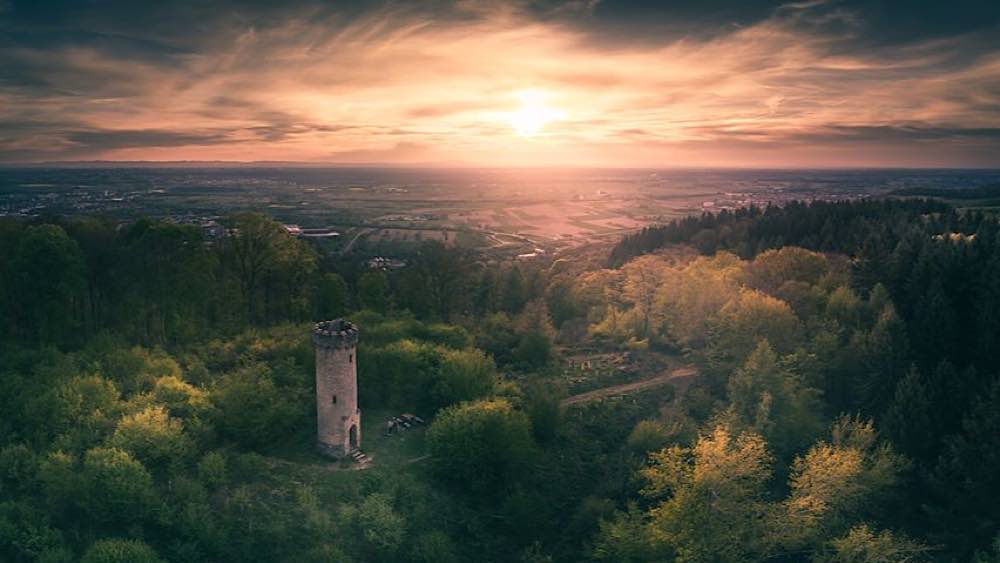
point(643, 278)
point(712, 502)
point(378, 331)
point(772, 268)
point(597, 291)
point(862, 545)
point(715, 508)
point(834, 480)
point(84, 409)
point(753, 317)
point(695, 293)
point(182, 399)
point(845, 307)
point(136, 368)
point(650, 298)
point(464, 375)
point(153, 437)
point(707, 301)
point(282, 341)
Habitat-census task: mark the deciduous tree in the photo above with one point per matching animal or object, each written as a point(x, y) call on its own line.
point(482, 447)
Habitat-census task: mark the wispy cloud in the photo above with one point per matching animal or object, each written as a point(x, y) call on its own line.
point(804, 83)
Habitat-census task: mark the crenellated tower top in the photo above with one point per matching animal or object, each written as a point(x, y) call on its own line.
point(335, 334)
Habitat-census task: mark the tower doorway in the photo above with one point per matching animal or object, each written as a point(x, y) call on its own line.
point(354, 436)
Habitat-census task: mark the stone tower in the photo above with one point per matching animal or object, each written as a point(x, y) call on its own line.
point(338, 418)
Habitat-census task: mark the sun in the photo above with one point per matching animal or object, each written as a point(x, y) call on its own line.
point(533, 115)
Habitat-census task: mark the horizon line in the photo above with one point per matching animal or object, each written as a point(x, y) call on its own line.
point(437, 165)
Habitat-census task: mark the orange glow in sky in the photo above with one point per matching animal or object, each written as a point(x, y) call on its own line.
point(493, 86)
point(533, 114)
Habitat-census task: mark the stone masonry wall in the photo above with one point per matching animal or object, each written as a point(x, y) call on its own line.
point(336, 387)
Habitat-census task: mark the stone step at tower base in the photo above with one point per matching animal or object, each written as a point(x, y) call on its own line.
point(360, 457)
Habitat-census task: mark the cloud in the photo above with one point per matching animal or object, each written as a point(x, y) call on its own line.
point(639, 83)
point(114, 139)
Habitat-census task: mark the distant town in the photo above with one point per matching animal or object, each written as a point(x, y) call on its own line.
point(382, 212)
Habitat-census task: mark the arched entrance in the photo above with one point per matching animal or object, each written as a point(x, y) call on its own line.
point(354, 436)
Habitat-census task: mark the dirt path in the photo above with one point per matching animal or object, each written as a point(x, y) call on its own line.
point(626, 388)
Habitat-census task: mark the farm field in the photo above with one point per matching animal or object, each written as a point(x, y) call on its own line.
point(508, 212)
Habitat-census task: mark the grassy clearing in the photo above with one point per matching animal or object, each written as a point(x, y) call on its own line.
point(398, 449)
point(296, 464)
point(390, 451)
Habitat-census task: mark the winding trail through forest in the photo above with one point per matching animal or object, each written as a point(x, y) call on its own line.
point(681, 376)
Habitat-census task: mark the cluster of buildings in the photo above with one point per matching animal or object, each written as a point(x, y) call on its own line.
point(412, 217)
point(322, 232)
point(383, 264)
point(28, 203)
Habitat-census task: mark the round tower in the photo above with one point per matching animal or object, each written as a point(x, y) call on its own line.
point(338, 418)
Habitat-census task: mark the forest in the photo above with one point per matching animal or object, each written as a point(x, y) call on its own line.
point(157, 399)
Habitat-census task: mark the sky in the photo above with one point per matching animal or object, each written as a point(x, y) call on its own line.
point(731, 83)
